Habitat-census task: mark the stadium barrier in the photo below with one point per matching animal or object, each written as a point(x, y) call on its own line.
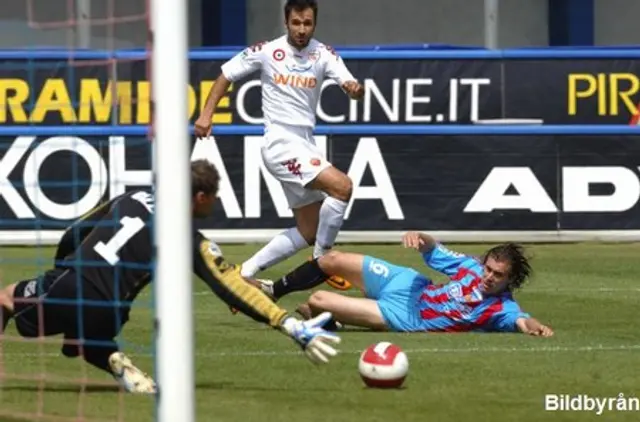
point(74, 131)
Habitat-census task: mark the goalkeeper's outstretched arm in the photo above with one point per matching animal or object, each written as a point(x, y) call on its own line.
point(224, 279)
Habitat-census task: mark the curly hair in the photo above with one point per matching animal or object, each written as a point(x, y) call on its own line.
point(520, 268)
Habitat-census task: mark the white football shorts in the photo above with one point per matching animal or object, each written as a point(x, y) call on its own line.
point(292, 157)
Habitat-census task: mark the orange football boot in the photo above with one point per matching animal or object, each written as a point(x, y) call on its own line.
point(337, 282)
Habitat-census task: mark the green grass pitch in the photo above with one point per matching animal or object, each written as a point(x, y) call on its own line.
point(589, 293)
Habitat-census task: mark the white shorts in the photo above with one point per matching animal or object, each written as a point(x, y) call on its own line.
point(292, 157)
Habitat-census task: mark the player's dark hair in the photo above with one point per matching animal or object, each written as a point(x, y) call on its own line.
point(518, 262)
point(204, 178)
point(300, 5)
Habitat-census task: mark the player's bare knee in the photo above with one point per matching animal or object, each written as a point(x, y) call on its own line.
point(330, 263)
point(318, 301)
point(6, 298)
point(334, 183)
point(342, 189)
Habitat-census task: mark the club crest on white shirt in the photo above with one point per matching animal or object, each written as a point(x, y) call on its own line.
point(279, 54)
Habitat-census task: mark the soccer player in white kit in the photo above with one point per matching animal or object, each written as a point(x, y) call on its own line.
point(293, 69)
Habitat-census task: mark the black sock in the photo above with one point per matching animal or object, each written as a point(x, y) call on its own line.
point(305, 277)
point(98, 356)
point(331, 325)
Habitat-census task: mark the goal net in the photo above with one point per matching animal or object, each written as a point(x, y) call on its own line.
point(76, 90)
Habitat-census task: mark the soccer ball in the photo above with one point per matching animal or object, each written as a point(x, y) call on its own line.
point(383, 365)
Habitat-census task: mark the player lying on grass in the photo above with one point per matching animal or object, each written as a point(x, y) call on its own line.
point(105, 259)
point(479, 296)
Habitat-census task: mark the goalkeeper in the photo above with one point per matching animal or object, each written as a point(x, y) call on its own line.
point(105, 259)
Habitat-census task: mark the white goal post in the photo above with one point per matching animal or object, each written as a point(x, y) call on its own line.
point(173, 287)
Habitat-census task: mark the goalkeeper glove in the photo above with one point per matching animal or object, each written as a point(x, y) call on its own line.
point(314, 340)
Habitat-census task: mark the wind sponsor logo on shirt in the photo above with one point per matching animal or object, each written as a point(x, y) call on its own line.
point(295, 81)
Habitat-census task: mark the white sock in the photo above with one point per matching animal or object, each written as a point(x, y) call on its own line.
point(281, 247)
point(332, 214)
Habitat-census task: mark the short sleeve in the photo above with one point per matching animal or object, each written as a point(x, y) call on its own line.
point(335, 68)
point(243, 64)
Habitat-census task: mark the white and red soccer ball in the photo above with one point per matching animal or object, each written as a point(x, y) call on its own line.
point(383, 365)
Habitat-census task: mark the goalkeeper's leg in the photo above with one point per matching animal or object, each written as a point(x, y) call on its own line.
point(45, 306)
point(26, 301)
point(6, 306)
point(97, 345)
point(129, 376)
point(104, 354)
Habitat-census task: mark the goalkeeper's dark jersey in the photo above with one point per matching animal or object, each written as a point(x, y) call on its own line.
point(112, 248)
point(115, 252)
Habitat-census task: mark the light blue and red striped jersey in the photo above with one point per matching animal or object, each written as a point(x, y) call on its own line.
point(460, 305)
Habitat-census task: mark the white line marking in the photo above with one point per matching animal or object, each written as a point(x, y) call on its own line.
point(429, 350)
point(524, 290)
point(587, 290)
point(442, 350)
